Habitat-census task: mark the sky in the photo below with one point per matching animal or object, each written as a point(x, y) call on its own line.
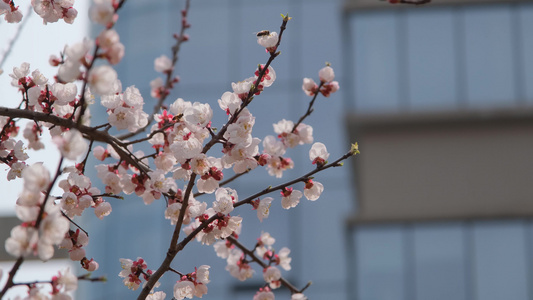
point(34, 46)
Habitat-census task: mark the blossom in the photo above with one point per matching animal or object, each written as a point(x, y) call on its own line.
point(64, 93)
point(225, 197)
point(202, 274)
point(268, 78)
point(20, 72)
point(263, 209)
point(329, 88)
point(102, 209)
point(229, 102)
point(326, 74)
point(242, 88)
point(313, 189)
point(318, 154)
point(108, 38)
point(223, 248)
point(71, 144)
point(163, 64)
point(102, 12)
point(268, 40)
point(298, 296)
point(21, 241)
point(184, 289)
point(290, 198)
point(12, 14)
point(16, 170)
point(36, 177)
point(264, 294)
point(100, 153)
point(309, 87)
point(199, 114)
point(283, 258)
point(65, 281)
point(271, 274)
point(51, 11)
point(237, 266)
point(101, 79)
point(38, 78)
point(156, 296)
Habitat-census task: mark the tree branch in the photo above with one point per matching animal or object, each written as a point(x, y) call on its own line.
point(89, 132)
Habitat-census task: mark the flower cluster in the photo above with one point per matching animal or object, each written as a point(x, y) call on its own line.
point(50, 11)
point(133, 272)
point(193, 284)
point(40, 230)
point(327, 85)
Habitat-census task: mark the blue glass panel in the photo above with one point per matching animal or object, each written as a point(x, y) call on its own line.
point(489, 53)
point(526, 21)
point(320, 40)
point(325, 235)
point(205, 58)
point(430, 55)
point(500, 256)
point(439, 262)
point(380, 263)
point(376, 73)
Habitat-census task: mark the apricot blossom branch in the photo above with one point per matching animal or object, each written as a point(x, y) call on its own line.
point(307, 176)
point(90, 132)
point(256, 259)
point(170, 79)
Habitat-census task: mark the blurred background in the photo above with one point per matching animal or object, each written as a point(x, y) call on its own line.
point(439, 203)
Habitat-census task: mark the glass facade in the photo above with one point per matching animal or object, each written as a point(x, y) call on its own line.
point(441, 58)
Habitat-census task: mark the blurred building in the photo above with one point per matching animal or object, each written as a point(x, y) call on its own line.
point(440, 101)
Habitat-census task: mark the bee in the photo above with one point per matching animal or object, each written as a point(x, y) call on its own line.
point(262, 33)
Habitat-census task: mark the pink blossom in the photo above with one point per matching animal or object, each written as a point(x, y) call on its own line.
point(102, 12)
point(318, 154)
point(309, 87)
point(326, 74)
point(163, 64)
point(36, 177)
point(71, 144)
point(268, 40)
point(101, 79)
point(313, 190)
point(263, 210)
point(102, 209)
point(290, 198)
point(271, 274)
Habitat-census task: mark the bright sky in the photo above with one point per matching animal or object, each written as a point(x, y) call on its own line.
point(35, 45)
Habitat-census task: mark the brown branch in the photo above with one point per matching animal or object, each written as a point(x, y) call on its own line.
point(250, 253)
point(12, 273)
point(309, 108)
point(300, 179)
point(224, 182)
point(169, 83)
point(90, 133)
point(174, 246)
point(415, 2)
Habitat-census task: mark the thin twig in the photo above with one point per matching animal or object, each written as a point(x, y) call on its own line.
point(309, 108)
point(11, 42)
point(169, 83)
point(300, 179)
point(250, 253)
